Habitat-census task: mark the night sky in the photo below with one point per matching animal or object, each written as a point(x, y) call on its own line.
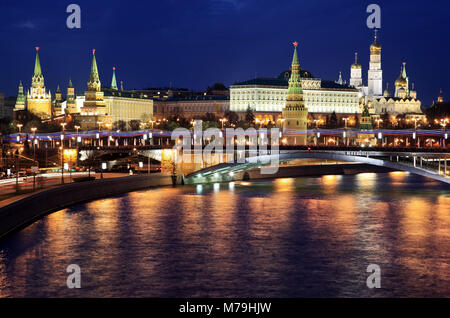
point(194, 43)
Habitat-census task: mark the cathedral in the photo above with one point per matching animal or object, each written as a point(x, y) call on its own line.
point(404, 101)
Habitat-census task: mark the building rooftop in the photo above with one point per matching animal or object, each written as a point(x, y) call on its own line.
point(264, 81)
point(126, 94)
point(197, 98)
point(284, 83)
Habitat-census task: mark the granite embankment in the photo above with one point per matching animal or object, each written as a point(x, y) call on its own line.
point(27, 209)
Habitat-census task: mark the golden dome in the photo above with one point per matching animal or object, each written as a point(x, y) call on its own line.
point(356, 65)
point(375, 48)
point(400, 81)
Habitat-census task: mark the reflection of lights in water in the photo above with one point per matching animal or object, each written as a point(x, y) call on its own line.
point(284, 184)
point(366, 179)
point(398, 175)
point(216, 187)
point(231, 186)
point(331, 180)
point(246, 183)
point(199, 189)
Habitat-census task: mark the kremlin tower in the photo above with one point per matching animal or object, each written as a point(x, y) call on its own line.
point(94, 112)
point(94, 103)
point(20, 102)
point(71, 104)
point(113, 81)
point(295, 113)
point(58, 102)
point(39, 102)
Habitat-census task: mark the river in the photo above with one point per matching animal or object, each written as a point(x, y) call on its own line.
point(295, 237)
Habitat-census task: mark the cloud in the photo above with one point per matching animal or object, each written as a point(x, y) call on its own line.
point(25, 25)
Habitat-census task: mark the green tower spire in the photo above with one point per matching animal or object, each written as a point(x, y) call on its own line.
point(58, 90)
point(404, 71)
point(70, 83)
point(20, 101)
point(37, 64)
point(113, 81)
point(295, 57)
point(94, 71)
point(295, 92)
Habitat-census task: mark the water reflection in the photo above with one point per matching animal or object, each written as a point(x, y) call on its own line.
point(287, 237)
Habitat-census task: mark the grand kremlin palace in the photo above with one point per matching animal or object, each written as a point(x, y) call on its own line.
point(267, 96)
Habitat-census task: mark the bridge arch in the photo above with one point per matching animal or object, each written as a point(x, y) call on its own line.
point(225, 171)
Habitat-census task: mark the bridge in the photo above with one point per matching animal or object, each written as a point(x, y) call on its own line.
point(424, 162)
point(423, 152)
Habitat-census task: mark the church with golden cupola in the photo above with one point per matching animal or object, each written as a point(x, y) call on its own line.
point(404, 102)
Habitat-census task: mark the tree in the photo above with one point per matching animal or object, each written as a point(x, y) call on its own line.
point(333, 120)
point(232, 117)
point(356, 120)
point(385, 119)
point(120, 125)
point(249, 116)
point(209, 117)
point(134, 124)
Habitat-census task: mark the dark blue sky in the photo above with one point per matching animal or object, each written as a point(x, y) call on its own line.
point(194, 43)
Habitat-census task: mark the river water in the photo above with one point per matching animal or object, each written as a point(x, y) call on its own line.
point(299, 237)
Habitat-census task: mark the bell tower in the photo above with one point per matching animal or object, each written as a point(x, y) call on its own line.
point(375, 73)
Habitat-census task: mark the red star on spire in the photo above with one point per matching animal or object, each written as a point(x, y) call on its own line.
point(93, 51)
point(114, 68)
point(295, 43)
point(37, 48)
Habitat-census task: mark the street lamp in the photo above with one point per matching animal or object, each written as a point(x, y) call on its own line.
point(378, 121)
point(223, 120)
point(63, 125)
point(317, 121)
point(444, 123)
point(346, 121)
point(20, 130)
point(33, 129)
point(78, 141)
